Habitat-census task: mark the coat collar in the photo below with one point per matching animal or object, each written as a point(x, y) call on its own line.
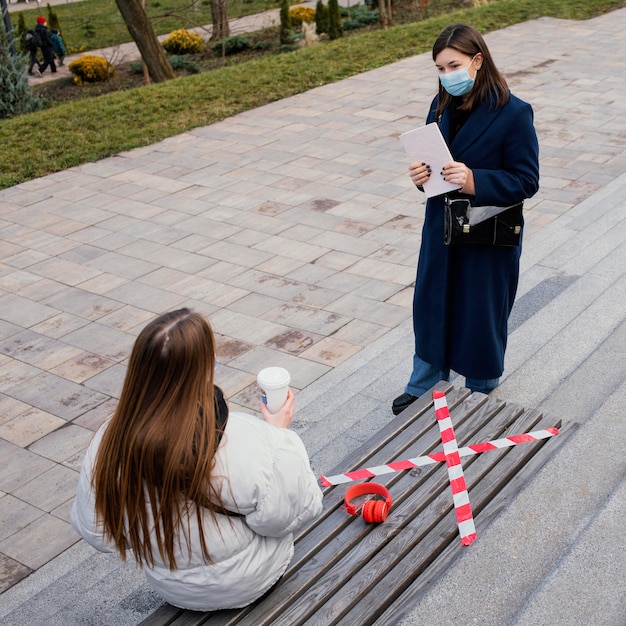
point(478, 123)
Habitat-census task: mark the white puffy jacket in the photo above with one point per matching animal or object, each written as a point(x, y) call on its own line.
point(270, 482)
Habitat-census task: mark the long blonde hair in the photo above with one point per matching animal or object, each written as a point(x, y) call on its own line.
point(157, 454)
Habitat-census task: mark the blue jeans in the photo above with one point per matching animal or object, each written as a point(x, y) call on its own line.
point(424, 376)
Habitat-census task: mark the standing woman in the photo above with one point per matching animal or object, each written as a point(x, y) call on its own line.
point(464, 293)
point(206, 500)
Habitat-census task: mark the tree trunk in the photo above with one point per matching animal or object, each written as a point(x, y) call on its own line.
point(221, 27)
point(141, 31)
point(144, 67)
point(384, 18)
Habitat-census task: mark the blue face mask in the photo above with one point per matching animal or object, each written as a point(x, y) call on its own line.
point(459, 82)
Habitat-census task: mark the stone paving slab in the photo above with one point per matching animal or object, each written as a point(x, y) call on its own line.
point(600, 554)
point(295, 229)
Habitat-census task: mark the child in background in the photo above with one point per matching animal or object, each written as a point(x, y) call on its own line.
point(57, 44)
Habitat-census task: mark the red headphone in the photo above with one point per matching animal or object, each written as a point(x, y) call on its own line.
point(373, 510)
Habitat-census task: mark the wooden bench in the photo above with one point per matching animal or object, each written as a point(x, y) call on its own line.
point(346, 571)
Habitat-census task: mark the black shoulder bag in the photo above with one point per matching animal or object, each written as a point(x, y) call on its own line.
point(482, 225)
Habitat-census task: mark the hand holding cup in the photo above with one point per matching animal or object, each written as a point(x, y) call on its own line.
point(274, 381)
point(283, 418)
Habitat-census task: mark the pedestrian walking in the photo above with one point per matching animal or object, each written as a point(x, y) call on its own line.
point(58, 45)
point(46, 45)
point(31, 45)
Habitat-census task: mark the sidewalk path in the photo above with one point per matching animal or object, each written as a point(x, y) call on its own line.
point(295, 228)
point(14, 6)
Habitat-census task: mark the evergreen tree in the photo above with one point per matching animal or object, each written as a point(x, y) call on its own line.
point(16, 95)
point(286, 32)
point(20, 32)
point(321, 17)
point(335, 28)
point(53, 19)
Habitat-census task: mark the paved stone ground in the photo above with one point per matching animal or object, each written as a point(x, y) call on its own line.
point(295, 229)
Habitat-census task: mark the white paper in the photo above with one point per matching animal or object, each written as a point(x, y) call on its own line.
point(426, 144)
point(478, 214)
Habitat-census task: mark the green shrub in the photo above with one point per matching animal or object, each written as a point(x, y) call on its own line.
point(286, 31)
point(16, 96)
point(351, 24)
point(177, 61)
point(287, 48)
point(136, 67)
point(91, 69)
point(360, 15)
point(53, 19)
point(301, 14)
point(19, 33)
point(322, 22)
point(182, 41)
point(335, 29)
point(182, 62)
point(232, 45)
point(89, 29)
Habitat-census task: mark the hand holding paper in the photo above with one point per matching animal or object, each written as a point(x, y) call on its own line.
point(427, 144)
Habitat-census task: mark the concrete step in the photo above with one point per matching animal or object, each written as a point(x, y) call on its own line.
point(588, 572)
point(580, 233)
point(79, 587)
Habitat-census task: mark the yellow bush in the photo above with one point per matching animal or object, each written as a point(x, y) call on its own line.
point(91, 69)
point(301, 14)
point(183, 41)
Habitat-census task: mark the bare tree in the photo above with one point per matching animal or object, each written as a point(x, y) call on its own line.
point(141, 31)
point(221, 28)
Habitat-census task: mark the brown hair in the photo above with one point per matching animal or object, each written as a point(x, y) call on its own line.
point(489, 81)
point(157, 454)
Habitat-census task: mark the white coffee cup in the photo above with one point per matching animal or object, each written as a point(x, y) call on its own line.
point(274, 381)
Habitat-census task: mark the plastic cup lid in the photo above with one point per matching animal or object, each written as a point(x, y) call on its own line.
point(273, 378)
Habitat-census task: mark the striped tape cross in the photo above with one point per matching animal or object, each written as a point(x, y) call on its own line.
point(462, 507)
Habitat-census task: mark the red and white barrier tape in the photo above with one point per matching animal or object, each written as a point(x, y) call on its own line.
point(452, 456)
point(462, 506)
point(436, 457)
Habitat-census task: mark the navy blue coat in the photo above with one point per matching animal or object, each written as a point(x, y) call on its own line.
point(464, 294)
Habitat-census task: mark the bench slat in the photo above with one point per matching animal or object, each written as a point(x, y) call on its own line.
point(163, 616)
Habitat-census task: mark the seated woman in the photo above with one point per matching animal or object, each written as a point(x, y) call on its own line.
point(206, 500)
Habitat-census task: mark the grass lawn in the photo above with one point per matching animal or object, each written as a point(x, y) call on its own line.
point(88, 130)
